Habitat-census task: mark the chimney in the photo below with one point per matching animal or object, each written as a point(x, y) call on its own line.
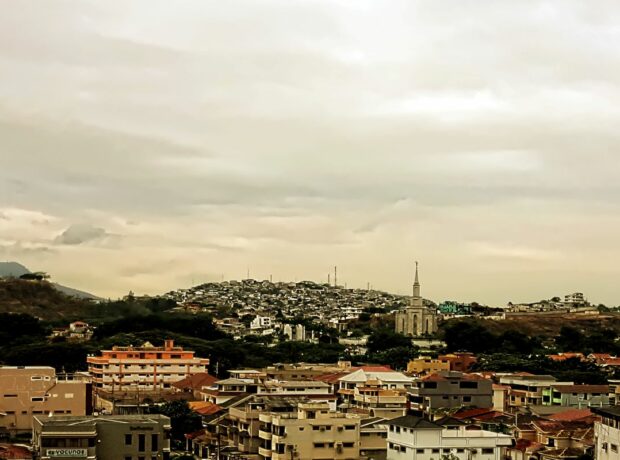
point(168, 344)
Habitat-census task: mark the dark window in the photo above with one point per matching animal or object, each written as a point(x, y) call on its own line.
point(127, 457)
point(141, 442)
point(347, 444)
point(430, 384)
point(154, 443)
point(128, 440)
point(487, 451)
point(468, 385)
point(419, 451)
point(466, 398)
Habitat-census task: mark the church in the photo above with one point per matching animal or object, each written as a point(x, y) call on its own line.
point(416, 320)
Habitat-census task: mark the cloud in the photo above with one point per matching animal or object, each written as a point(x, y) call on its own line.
point(79, 234)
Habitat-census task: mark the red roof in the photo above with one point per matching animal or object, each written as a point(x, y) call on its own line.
point(330, 378)
point(441, 378)
point(195, 381)
point(572, 415)
point(582, 388)
point(470, 413)
point(373, 369)
point(13, 452)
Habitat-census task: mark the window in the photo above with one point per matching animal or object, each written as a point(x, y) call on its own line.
point(347, 444)
point(435, 451)
point(430, 385)
point(466, 398)
point(154, 442)
point(470, 385)
point(68, 395)
point(10, 396)
point(446, 451)
point(319, 445)
point(460, 451)
point(614, 448)
point(419, 451)
point(349, 427)
point(487, 451)
point(141, 442)
point(128, 440)
point(127, 457)
point(37, 399)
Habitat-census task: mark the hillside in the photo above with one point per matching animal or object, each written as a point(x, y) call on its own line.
point(40, 299)
point(549, 325)
point(15, 270)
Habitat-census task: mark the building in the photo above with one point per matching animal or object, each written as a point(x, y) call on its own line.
point(416, 320)
point(137, 373)
point(412, 437)
point(296, 332)
point(262, 322)
point(446, 390)
point(607, 433)
point(577, 299)
point(122, 437)
point(427, 365)
point(29, 391)
point(460, 362)
point(576, 395)
point(527, 390)
point(313, 432)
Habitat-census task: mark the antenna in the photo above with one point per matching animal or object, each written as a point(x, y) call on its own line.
point(248, 277)
point(271, 278)
point(335, 276)
point(329, 281)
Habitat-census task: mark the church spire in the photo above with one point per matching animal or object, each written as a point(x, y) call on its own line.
point(417, 299)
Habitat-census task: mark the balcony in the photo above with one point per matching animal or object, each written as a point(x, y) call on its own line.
point(264, 452)
point(264, 435)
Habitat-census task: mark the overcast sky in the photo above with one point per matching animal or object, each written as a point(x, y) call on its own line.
point(147, 144)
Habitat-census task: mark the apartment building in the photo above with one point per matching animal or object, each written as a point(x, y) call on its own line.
point(123, 437)
point(527, 390)
point(427, 365)
point(447, 390)
point(29, 391)
point(412, 437)
point(312, 432)
point(607, 433)
point(576, 395)
point(136, 373)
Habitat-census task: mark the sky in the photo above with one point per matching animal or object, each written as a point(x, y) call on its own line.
point(146, 145)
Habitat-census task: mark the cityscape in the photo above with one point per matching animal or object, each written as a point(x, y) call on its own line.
point(309, 230)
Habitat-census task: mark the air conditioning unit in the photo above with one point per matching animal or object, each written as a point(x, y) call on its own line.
point(339, 449)
point(322, 428)
point(340, 428)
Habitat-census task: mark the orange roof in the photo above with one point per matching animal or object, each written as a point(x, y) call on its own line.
point(472, 413)
point(195, 381)
point(204, 408)
point(572, 415)
point(330, 378)
point(373, 368)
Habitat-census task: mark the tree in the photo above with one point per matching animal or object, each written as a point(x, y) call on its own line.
point(182, 419)
point(570, 339)
point(384, 339)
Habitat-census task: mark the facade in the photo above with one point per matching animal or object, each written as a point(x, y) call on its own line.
point(427, 365)
point(313, 432)
point(448, 390)
point(137, 373)
point(527, 390)
point(411, 437)
point(460, 362)
point(262, 322)
point(576, 395)
point(416, 320)
point(607, 433)
point(123, 437)
point(29, 391)
point(295, 332)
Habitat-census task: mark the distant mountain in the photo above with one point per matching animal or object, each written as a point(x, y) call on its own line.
point(12, 269)
point(15, 270)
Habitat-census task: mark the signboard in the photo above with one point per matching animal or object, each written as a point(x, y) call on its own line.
point(67, 453)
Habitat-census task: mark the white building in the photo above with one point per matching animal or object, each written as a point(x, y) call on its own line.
point(262, 322)
point(295, 332)
point(607, 433)
point(415, 438)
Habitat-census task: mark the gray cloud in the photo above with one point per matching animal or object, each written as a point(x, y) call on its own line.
point(79, 234)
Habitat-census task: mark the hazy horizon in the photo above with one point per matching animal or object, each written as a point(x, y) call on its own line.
point(146, 144)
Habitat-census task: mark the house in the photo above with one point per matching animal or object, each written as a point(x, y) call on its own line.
point(445, 390)
point(410, 437)
point(427, 365)
point(460, 362)
point(527, 390)
point(194, 384)
point(607, 433)
point(576, 395)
